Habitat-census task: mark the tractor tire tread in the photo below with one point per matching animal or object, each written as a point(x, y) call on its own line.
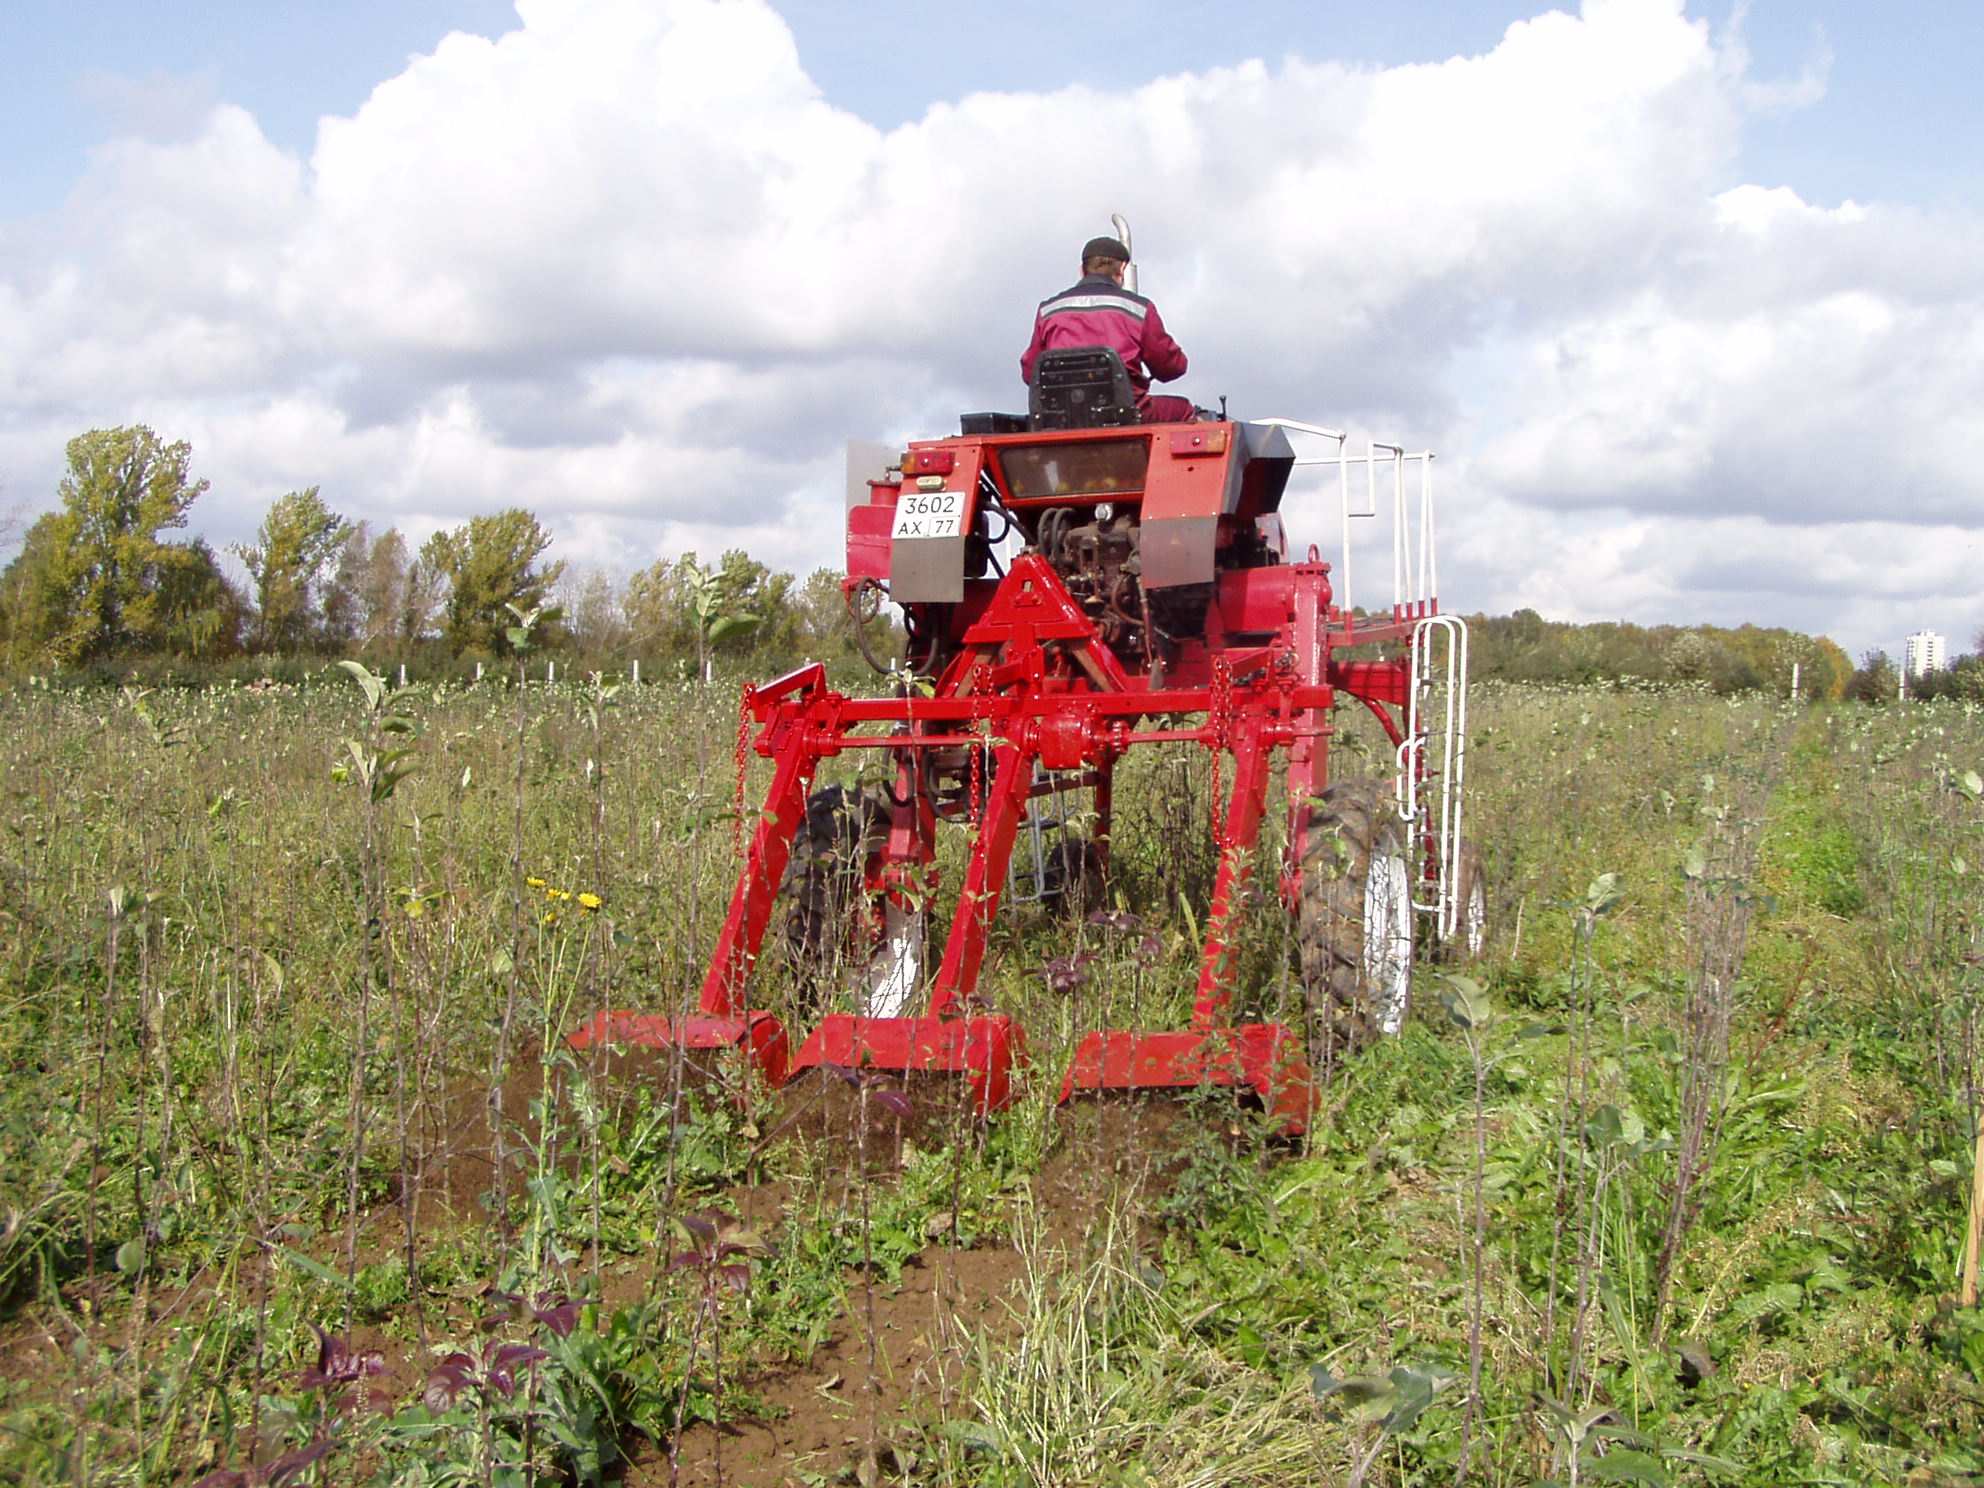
point(1350, 827)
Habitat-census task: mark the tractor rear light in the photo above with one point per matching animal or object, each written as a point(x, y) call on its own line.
point(929, 462)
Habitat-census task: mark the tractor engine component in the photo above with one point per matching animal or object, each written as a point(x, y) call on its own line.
point(1097, 560)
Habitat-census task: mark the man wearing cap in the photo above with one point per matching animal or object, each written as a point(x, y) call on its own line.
point(1099, 311)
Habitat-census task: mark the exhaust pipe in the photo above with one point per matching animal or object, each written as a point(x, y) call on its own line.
point(1116, 220)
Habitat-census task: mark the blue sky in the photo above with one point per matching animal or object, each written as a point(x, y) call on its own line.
point(1899, 120)
point(645, 263)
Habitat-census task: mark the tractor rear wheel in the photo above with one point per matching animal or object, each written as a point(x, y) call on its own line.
point(1068, 878)
point(825, 920)
point(1354, 928)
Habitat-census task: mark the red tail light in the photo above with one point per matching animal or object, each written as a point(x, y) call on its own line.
point(929, 462)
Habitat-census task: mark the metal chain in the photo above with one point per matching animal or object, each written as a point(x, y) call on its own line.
point(1222, 707)
point(977, 780)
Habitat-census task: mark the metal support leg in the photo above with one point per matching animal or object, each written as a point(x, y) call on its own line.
point(1309, 753)
point(1105, 812)
point(984, 880)
point(1240, 831)
point(751, 906)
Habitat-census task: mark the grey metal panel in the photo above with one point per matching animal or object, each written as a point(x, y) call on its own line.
point(1178, 550)
point(866, 461)
point(1236, 477)
point(927, 570)
point(1267, 442)
point(1260, 442)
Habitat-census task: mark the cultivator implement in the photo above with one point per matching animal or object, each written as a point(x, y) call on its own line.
point(1150, 600)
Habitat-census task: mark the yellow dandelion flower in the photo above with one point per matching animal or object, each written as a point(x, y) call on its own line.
point(560, 894)
point(589, 902)
point(534, 883)
point(551, 917)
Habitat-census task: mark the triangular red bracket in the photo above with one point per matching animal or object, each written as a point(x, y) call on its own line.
point(1032, 605)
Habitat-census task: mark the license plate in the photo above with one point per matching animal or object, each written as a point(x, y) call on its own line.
point(921, 514)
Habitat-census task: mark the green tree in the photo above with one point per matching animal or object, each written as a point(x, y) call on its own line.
point(1526, 647)
point(95, 580)
point(199, 613)
point(686, 608)
point(595, 620)
point(1876, 681)
point(715, 611)
point(343, 610)
point(738, 606)
point(34, 598)
point(821, 624)
point(1827, 671)
point(488, 564)
point(288, 564)
point(657, 610)
point(753, 588)
point(378, 598)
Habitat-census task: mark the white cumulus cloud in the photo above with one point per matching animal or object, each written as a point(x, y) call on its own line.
point(625, 265)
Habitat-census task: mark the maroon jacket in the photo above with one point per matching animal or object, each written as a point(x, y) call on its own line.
point(1100, 312)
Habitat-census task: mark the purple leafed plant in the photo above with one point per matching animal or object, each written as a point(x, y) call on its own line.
point(1148, 947)
point(284, 1469)
point(338, 1363)
point(720, 1254)
point(1119, 920)
point(495, 1374)
point(715, 1240)
point(1068, 973)
point(555, 1310)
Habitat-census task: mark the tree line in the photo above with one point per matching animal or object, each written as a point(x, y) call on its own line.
point(1746, 658)
point(102, 580)
point(1525, 647)
point(1878, 679)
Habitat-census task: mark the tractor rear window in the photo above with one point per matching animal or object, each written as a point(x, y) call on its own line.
point(1097, 469)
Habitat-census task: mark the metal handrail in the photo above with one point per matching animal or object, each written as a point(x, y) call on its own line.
point(1436, 720)
point(1415, 564)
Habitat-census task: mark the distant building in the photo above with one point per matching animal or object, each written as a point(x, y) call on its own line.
point(1924, 654)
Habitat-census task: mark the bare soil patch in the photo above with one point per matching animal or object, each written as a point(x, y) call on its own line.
point(897, 1355)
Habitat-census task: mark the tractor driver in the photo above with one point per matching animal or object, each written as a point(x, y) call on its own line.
point(1099, 311)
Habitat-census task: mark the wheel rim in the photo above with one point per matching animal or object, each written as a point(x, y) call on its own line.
point(1474, 919)
point(897, 967)
point(1388, 939)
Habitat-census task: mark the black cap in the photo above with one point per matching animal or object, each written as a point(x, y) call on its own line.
point(1105, 248)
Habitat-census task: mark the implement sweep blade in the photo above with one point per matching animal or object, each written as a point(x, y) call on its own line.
point(757, 1034)
point(983, 1048)
point(1266, 1057)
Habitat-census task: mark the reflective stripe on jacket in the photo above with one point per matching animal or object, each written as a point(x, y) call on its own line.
point(1100, 312)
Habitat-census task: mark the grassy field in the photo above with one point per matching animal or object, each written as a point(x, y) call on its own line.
point(298, 1183)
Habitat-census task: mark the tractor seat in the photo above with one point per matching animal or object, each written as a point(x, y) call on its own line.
point(1081, 387)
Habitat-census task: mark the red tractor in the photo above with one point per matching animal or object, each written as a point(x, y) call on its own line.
point(1145, 595)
